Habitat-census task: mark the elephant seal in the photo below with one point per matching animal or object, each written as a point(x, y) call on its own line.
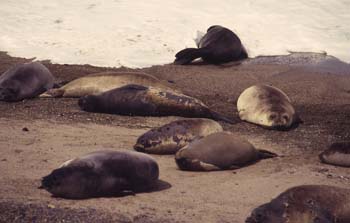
point(147, 101)
point(219, 151)
point(169, 138)
point(102, 173)
point(101, 82)
point(218, 45)
point(267, 106)
point(337, 154)
point(306, 204)
point(24, 81)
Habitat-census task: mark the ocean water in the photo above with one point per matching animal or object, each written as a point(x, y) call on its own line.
point(137, 33)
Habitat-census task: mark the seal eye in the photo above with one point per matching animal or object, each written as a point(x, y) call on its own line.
point(285, 118)
point(272, 116)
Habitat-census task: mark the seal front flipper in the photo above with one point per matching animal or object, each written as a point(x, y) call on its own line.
point(52, 93)
point(219, 117)
point(264, 154)
point(187, 55)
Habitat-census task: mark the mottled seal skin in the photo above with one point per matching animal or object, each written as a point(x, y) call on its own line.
point(218, 45)
point(102, 173)
point(147, 101)
point(306, 204)
point(169, 138)
point(219, 151)
point(101, 82)
point(267, 106)
point(337, 154)
point(24, 81)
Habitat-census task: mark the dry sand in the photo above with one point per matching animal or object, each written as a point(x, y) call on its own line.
point(59, 131)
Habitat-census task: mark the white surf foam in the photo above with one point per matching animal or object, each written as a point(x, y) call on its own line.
point(137, 33)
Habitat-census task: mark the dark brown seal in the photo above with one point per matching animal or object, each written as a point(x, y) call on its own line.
point(306, 204)
point(169, 138)
point(102, 173)
point(219, 151)
point(24, 81)
point(218, 45)
point(337, 154)
point(147, 101)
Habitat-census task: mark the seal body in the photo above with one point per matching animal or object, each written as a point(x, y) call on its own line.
point(337, 154)
point(218, 45)
point(101, 82)
point(218, 151)
point(102, 173)
point(306, 204)
point(24, 81)
point(147, 101)
point(169, 138)
point(266, 106)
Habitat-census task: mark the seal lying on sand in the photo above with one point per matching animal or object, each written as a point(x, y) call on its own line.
point(267, 106)
point(219, 151)
point(102, 173)
point(218, 45)
point(23, 81)
point(306, 204)
point(337, 154)
point(101, 82)
point(169, 138)
point(147, 101)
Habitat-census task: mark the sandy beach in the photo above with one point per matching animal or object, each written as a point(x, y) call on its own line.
point(58, 130)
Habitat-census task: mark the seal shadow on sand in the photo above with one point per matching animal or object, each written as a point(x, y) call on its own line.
point(160, 185)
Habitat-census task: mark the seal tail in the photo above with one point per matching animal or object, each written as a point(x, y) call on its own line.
point(52, 93)
point(219, 117)
point(187, 55)
point(264, 154)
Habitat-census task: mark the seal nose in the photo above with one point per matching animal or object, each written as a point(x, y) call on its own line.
point(139, 147)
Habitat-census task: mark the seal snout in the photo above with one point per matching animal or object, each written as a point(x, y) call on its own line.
point(86, 103)
point(139, 147)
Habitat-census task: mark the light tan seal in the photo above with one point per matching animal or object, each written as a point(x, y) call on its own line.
point(102, 173)
point(101, 82)
point(267, 106)
point(169, 138)
point(148, 101)
point(219, 151)
point(306, 204)
point(337, 154)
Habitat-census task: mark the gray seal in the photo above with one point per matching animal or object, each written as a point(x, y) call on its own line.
point(218, 45)
point(267, 106)
point(25, 81)
point(219, 151)
point(337, 154)
point(306, 204)
point(169, 138)
point(100, 82)
point(148, 101)
point(102, 173)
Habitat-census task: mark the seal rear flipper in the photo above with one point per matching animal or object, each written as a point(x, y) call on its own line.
point(187, 55)
point(264, 154)
point(219, 117)
point(52, 93)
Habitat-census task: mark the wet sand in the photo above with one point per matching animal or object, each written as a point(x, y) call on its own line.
point(59, 130)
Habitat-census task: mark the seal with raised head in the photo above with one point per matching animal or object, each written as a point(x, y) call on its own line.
point(147, 101)
point(218, 45)
point(267, 106)
point(24, 81)
point(100, 82)
point(337, 154)
point(306, 204)
point(219, 151)
point(102, 173)
point(169, 138)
